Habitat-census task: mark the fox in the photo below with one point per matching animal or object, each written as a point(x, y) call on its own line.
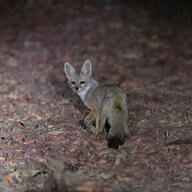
point(107, 104)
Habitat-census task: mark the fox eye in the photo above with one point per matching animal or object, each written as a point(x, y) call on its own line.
point(82, 82)
point(73, 82)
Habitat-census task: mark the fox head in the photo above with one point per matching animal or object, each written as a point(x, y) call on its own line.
point(79, 82)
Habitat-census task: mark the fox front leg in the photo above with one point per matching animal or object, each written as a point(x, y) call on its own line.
point(88, 119)
point(91, 117)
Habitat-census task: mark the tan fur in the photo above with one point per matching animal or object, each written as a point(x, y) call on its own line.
point(106, 103)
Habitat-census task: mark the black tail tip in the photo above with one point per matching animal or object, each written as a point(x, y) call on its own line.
point(114, 142)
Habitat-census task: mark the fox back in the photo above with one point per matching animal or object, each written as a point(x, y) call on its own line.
point(108, 104)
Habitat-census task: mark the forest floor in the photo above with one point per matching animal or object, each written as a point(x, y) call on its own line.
point(44, 147)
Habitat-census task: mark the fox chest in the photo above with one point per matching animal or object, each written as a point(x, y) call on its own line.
point(83, 95)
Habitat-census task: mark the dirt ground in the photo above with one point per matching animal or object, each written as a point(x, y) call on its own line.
point(43, 145)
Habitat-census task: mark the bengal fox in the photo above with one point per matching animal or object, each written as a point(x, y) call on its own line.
point(107, 104)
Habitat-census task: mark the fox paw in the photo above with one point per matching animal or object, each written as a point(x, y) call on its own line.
point(97, 136)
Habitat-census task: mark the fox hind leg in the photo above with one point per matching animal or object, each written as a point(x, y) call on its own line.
point(100, 124)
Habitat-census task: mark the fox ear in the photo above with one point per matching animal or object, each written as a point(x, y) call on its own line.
point(69, 70)
point(87, 68)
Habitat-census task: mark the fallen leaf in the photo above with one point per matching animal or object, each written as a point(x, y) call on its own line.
point(2, 159)
point(36, 116)
point(13, 163)
point(185, 179)
point(9, 179)
point(54, 132)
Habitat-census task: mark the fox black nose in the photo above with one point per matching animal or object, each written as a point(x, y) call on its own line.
point(76, 88)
